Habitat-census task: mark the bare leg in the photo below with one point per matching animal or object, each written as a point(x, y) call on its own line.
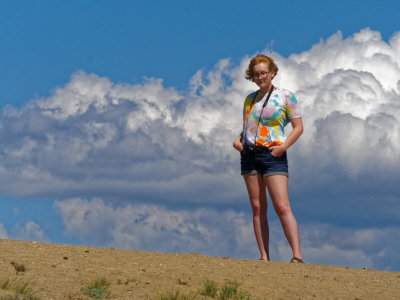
point(278, 190)
point(258, 200)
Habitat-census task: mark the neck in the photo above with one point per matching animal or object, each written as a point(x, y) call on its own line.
point(266, 89)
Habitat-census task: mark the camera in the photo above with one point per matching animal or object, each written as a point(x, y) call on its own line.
point(249, 148)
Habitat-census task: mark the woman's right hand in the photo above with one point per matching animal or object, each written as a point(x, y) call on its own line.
point(237, 144)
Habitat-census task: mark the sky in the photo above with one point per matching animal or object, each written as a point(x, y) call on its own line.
point(117, 122)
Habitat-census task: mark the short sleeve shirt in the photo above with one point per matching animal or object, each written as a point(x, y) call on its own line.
point(265, 127)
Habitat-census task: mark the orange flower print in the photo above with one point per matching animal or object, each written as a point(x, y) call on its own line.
point(264, 132)
point(260, 142)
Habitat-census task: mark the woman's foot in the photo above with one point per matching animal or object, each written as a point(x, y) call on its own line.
point(296, 260)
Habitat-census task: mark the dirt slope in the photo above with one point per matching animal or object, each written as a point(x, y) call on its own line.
point(63, 271)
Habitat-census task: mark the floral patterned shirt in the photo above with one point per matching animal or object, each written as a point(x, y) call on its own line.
point(268, 129)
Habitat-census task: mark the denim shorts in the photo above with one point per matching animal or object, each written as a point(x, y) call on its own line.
point(259, 160)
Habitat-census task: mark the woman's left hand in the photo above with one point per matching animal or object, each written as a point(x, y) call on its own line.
point(297, 125)
point(277, 150)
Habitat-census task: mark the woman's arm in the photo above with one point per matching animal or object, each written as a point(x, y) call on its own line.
point(297, 125)
point(237, 144)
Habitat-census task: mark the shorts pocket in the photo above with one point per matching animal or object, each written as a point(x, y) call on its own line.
point(282, 156)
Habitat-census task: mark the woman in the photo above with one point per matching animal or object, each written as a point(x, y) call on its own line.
point(262, 146)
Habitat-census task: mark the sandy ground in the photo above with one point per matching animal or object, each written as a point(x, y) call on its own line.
point(62, 271)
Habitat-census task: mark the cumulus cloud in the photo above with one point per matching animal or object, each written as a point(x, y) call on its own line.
point(350, 94)
point(31, 231)
point(3, 232)
point(227, 233)
point(327, 244)
point(95, 137)
point(153, 227)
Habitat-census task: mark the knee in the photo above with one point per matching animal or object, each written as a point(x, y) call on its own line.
point(258, 209)
point(283, 210)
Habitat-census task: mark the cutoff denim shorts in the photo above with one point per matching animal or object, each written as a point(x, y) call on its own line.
point(259, 160)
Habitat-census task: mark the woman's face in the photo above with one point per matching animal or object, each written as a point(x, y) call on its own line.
point(262, 76)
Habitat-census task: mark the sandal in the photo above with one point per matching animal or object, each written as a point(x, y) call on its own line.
point(296, 260)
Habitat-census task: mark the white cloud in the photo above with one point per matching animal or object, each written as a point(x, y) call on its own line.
point(3, 232)
point(93, 135)
point(350, 96)
point(31, 231)
point(365, 52)
point(228, 233)
point(153, 227)
point(358, 247)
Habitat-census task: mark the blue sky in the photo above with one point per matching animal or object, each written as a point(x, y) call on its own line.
point(111, 133)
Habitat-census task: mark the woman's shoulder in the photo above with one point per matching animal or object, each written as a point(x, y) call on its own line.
point(287, 97)
point(249, 100)
point(252, 95)
point(283, 91)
